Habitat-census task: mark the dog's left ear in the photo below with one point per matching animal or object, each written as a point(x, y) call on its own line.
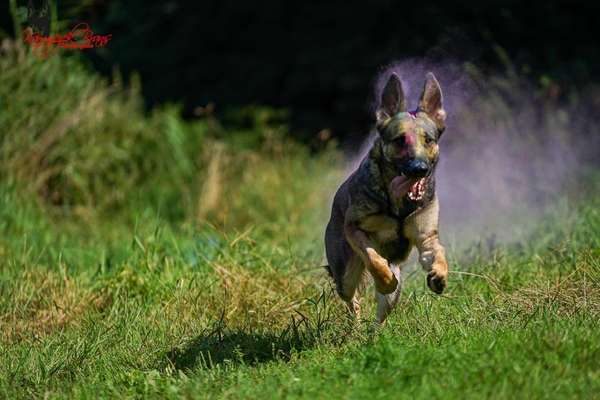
point(431, 101)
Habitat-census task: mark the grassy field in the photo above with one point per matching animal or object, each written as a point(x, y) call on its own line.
point(205, 314)
point(146, 256)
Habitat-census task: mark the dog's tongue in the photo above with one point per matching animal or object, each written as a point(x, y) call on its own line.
point(400, 185)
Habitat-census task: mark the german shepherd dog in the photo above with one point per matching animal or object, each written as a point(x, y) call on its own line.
point(388, 205)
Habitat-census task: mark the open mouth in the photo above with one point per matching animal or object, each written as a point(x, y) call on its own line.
point(417, 190)
point(414, 188)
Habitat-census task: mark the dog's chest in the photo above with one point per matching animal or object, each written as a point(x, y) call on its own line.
point(382, 228)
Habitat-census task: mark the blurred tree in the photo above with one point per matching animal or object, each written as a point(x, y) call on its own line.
point(319, 58)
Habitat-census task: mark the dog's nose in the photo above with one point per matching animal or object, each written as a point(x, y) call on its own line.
point(417, 169)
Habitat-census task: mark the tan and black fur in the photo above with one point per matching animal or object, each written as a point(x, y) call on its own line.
point(388, 205)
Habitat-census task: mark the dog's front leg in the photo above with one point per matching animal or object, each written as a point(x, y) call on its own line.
point(422, 228)
point(378, 267)
point(433, 259)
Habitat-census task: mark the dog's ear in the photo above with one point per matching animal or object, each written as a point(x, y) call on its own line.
point(392, 99)
point(431, 101)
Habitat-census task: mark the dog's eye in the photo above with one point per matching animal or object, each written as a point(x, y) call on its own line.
point(399, 141)
point(429, 139)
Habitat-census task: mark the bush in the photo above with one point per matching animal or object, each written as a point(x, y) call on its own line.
point(86, 147)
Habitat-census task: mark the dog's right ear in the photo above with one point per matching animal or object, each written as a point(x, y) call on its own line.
point(392, 99)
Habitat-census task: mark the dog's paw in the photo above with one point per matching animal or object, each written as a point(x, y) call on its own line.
point(387, 286)
point(436, 282)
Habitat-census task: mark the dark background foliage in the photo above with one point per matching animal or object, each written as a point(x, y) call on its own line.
point(319, 59)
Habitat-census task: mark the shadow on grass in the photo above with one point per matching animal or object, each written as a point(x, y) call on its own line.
point(235, 347)
point(253, 346)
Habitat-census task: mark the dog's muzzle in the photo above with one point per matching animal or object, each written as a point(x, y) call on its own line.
point(416, 168)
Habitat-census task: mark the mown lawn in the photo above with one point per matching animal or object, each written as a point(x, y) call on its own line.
point(200, 313)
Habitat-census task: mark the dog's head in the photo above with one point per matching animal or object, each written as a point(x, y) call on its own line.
point(409, 139)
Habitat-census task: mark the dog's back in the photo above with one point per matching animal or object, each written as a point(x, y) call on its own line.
point(337, 248)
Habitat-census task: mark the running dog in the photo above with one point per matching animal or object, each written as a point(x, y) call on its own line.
point(388, 205)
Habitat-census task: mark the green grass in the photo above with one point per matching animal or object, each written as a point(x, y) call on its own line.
point(145, 256)
point(204, 314)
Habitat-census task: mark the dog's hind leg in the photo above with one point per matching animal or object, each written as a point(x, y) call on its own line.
point(387, 302)
point(351, 284)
